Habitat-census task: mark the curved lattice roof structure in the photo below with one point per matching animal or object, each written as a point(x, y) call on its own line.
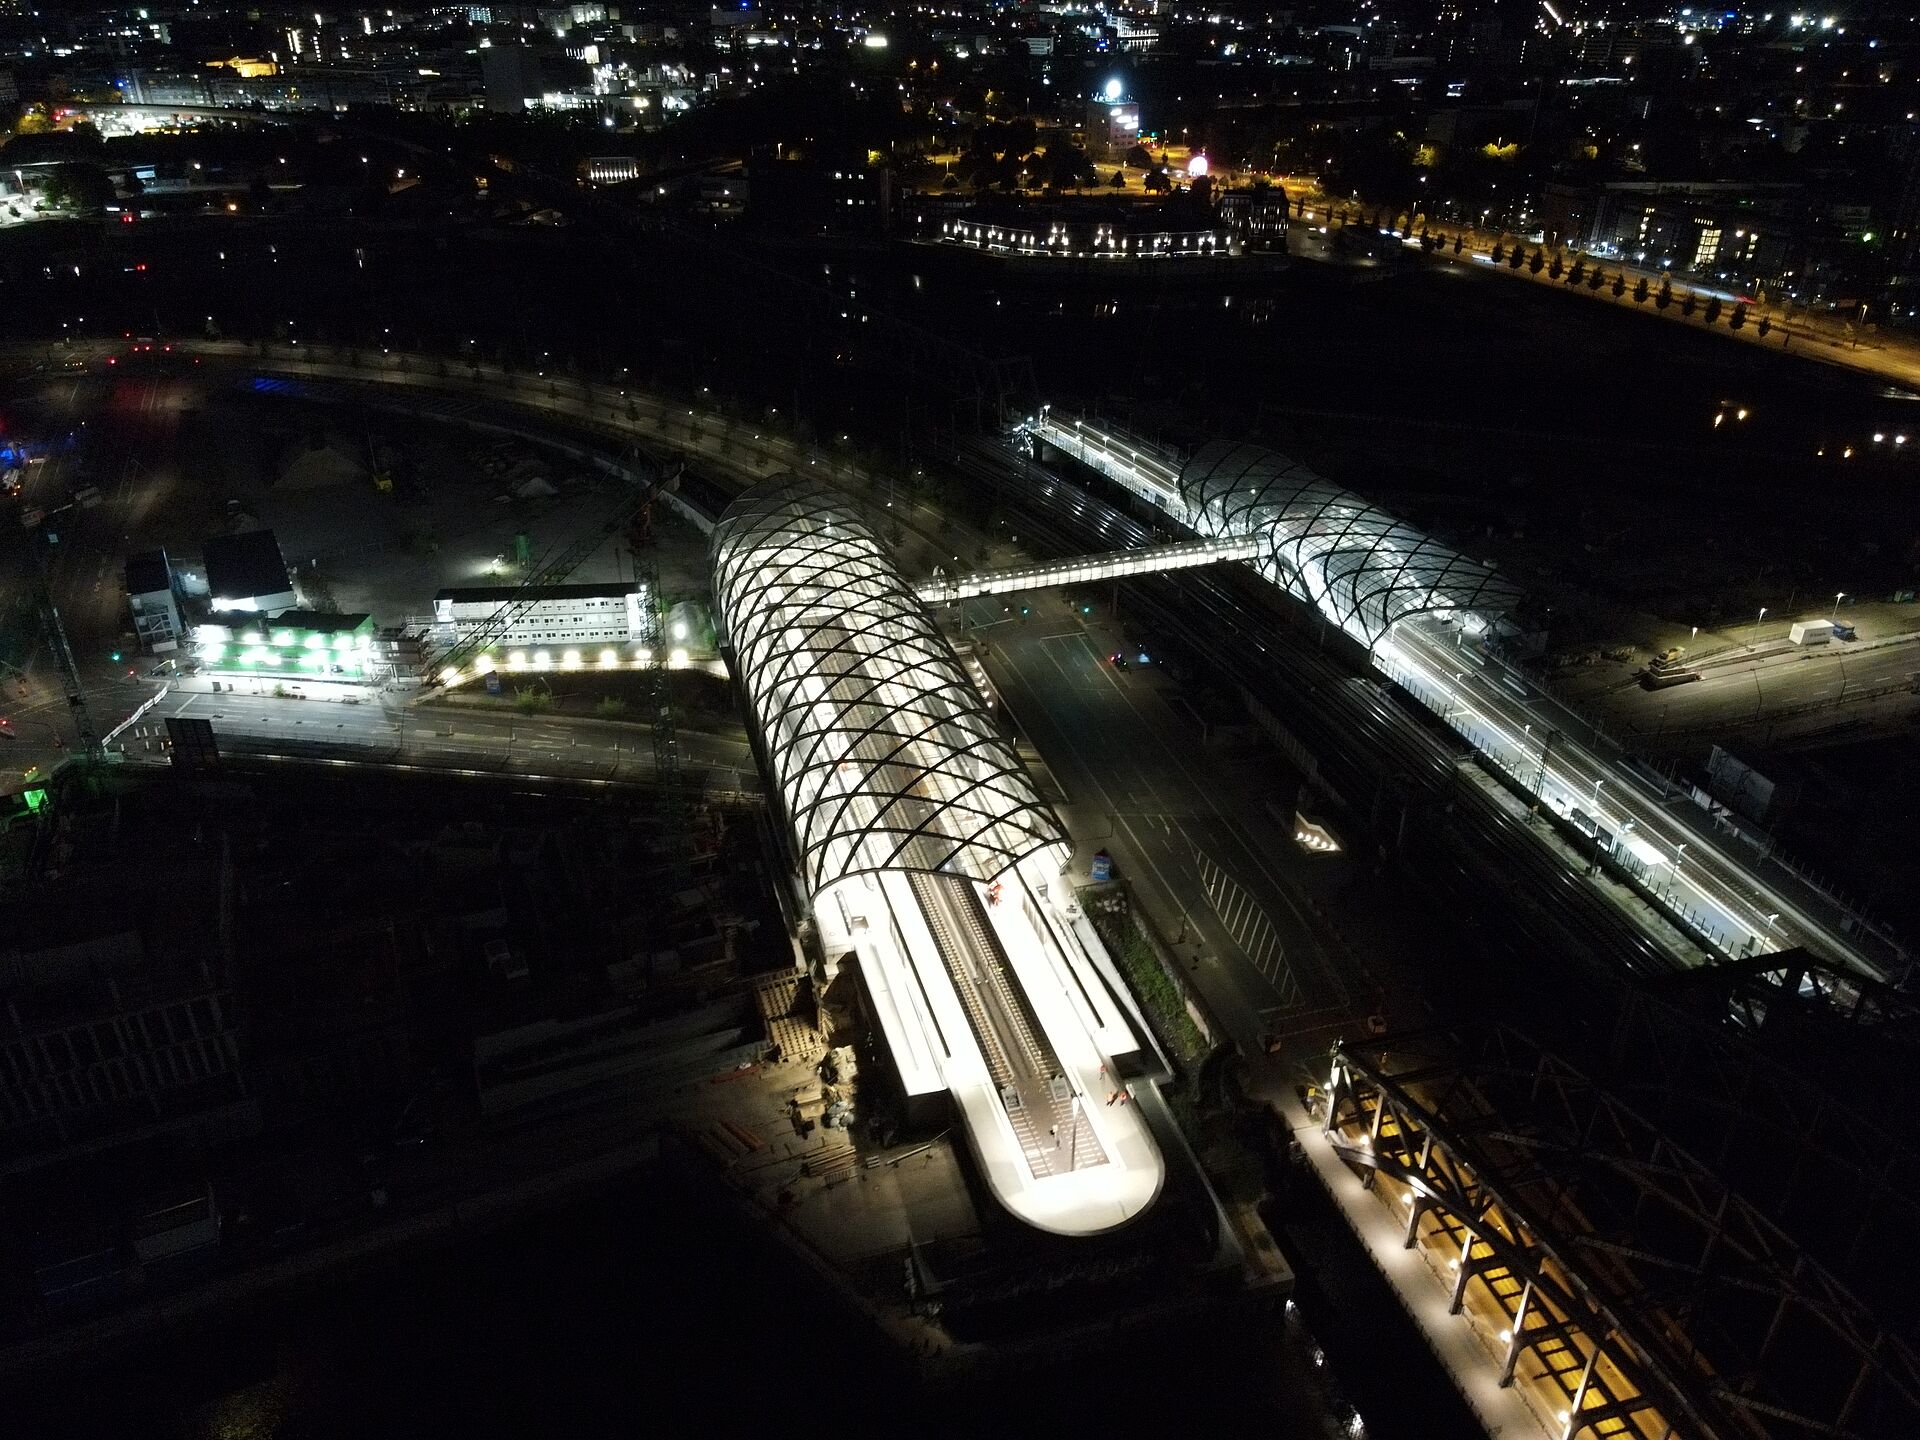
point(1357, 564)
point(878, 745)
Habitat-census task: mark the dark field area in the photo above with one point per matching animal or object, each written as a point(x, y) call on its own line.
point(649, 1309)
point(1574, 443)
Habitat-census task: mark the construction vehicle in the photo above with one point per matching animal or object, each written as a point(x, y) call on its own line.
point(1668, 668)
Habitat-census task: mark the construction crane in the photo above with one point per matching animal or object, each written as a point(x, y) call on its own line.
point(666, 735)
point(41, 542)
point(633, 514)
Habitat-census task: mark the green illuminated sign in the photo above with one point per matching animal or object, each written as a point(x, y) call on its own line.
point(295, 650)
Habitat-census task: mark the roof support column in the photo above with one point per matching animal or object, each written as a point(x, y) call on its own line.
point(1414, 1212)
point(1373, 1134)
point(1513, 1335)
point(1574, 1422)
point(1465, 1274)
point(1420, 1201)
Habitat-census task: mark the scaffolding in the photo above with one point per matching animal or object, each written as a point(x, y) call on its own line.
point(1618, 1280)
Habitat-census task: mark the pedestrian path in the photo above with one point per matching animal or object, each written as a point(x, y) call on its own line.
point(1499, 1409)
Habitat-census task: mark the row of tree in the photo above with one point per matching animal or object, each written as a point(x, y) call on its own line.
point(1596, 280)
point(1557, 267)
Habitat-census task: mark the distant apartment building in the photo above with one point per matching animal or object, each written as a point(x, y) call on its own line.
point(512, 76)
point(300, 87)
point(154, 596)
point(1113, 123)
point(1737, 229)
point(820, 197)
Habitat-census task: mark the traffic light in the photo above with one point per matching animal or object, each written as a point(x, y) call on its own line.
point(115, 657)
point(1086, 609)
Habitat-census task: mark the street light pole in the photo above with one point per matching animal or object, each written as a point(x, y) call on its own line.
point(1540, 780)
point(1594, 863)
point(1838, 596)
point(1673, 875)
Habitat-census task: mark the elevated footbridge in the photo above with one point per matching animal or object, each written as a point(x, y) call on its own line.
point(930, 862)
point(1087, 569)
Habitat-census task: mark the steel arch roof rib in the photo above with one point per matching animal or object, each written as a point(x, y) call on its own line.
point(1358, 565)
point(878, 744)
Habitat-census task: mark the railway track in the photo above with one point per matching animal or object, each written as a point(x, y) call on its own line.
point(1367, 745)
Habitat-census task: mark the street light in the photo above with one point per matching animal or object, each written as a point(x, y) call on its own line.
point(1838, 596)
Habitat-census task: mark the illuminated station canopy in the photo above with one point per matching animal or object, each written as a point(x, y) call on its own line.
point(882, 754)
point(931, 863)
point(1360, 566)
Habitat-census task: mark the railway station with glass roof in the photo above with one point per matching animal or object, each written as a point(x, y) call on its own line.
point(931, 863)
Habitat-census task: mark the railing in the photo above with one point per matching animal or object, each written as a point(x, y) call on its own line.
point(1088, 569)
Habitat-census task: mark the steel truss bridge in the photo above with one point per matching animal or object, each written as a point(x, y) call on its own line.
point(1612, 1276)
